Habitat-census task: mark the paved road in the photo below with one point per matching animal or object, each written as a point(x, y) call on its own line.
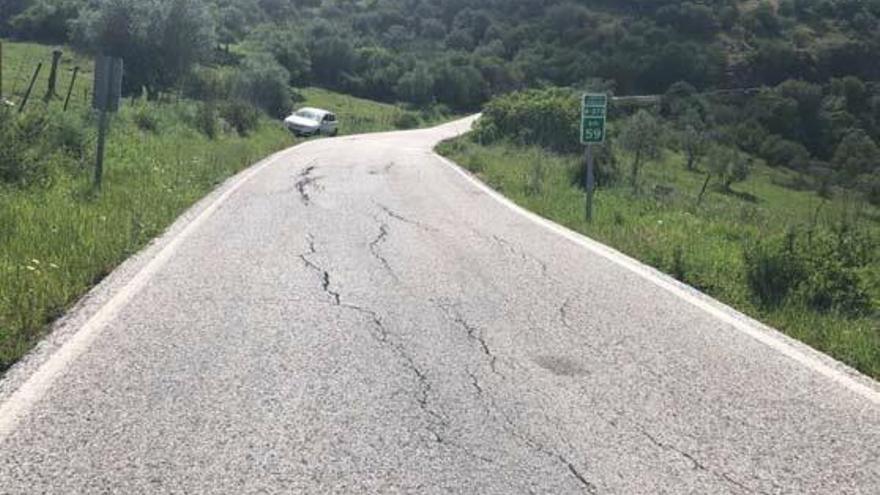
point(356, 316)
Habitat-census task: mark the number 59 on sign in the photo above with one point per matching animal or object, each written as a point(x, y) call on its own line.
point(593, 118)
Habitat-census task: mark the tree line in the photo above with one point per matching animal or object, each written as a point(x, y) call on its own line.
point(461, 52)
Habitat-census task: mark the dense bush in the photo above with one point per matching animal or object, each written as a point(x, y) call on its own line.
point(16, 165)
point(206, 120)
point(67, 132)
point(160, 41)
point(145, 117)
point(241, 115)
point(547, 117)
point(821, 270)
point(263, 82)
point(34, 147)
point(208, 84)
point(406, 120)
point(773, 269)
point(46, 20)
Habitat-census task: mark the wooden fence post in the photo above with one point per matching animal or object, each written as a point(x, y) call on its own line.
point(27, 95)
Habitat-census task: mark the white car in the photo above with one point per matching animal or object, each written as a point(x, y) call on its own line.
point(312, 122)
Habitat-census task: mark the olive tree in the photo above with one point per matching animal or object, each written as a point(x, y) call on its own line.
point(726, 165)
point(641, 139)
point(160, 41)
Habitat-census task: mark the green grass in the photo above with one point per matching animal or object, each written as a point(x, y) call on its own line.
point(357, 115)
point(20, 60)
point(702, 245)
point(58, 238)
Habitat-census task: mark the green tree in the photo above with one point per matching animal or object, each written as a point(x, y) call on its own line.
point(159, 41)
point(416, 86)
point(288, 48)
point(263, 82)
point(694, 141)
point(728, 166)
point(46, 20)
point(641, 139)
point(856, 154)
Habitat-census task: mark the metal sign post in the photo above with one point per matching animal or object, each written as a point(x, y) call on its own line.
point(106, 96)
point(594, 114)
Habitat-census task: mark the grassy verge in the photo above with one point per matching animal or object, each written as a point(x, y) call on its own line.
point(701, 245)
point(58, 238)
point(357, 115)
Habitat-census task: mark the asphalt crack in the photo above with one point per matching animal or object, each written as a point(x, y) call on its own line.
point(384, 170)
point(518, 251)
point(305, 180)
point(380, 239)
point(385, 337)
point(696, 463)
point(324, 274)
point(400, 218)
point(511, 429)
point(476, 335)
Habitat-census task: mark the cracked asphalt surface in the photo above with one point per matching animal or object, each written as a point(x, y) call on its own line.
point(358, 318)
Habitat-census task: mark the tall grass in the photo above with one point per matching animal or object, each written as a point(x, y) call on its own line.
point(58, 237)
point(704, 245)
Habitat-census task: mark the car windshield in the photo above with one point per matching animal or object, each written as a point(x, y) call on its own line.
point(307, 114)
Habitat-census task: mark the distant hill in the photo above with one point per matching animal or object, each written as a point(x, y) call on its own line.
point(464, 51)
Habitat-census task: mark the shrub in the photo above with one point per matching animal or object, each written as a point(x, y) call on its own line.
point(145, 118)
point(264, 83)
point(544, 117)
point(20, 163)
point(537, 173)
point(67, 132)
point(778, 151)
point(241, 115)
point(206, 120)
point(679, 265)
point(406, 120)
point(207, 84)
point(12, 149)
point(773, 270)
point(823, 271)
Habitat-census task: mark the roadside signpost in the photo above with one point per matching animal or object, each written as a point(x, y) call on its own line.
point(107, 93)
point(594, 115)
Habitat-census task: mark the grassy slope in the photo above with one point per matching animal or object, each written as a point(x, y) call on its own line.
point(21, 59)
point(652, 227)
point(357, 115)
point(57, 241)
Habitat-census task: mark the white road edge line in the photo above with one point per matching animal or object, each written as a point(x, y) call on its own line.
point(34, 388)
point(768, 336)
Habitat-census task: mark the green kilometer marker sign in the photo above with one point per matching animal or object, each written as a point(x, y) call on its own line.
point(593, 118)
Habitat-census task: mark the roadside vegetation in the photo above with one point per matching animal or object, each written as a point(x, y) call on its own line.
point(793, 246)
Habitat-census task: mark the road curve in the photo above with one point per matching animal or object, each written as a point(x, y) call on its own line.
point(355, 315)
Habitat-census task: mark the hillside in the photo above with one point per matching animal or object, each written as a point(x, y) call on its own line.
point(460, 52)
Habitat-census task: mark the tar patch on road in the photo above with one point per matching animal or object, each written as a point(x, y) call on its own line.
point(560, 366)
